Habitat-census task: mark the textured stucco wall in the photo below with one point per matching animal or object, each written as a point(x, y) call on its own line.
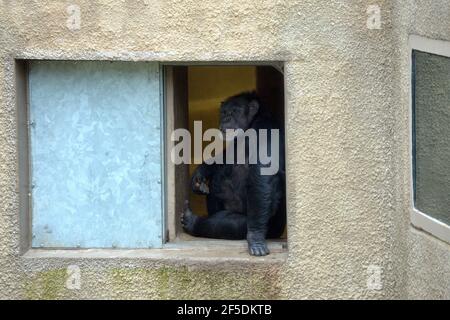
point(428, 259)
point(347, 114)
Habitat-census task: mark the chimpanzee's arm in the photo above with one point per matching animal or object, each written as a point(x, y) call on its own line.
point(202, 175)
point(204, 170)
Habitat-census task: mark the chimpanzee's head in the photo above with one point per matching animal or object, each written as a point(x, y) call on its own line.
point(238, 112)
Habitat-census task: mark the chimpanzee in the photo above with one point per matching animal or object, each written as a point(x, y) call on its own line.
point(242, 203)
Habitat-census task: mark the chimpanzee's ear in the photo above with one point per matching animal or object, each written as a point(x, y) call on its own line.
point(253, 108)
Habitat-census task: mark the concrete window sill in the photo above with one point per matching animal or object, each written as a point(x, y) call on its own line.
point(188, 250)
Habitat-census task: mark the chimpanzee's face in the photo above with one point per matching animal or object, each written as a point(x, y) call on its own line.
point(237, 113)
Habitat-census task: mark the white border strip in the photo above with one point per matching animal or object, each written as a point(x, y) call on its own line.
point(419, 219)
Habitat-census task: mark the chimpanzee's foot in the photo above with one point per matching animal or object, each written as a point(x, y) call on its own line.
point(257, 245)
point(188, 219)
point(258, 249)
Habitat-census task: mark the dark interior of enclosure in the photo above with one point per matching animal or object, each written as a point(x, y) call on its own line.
point(197, 93)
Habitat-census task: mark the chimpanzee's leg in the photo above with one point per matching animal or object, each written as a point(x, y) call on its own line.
point(260, 208)
point(221, 225)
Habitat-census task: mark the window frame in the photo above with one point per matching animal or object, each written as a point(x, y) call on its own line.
point(170, 242)
point(419, 219)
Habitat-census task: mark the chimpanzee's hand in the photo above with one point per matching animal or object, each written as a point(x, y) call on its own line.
point(199, 183)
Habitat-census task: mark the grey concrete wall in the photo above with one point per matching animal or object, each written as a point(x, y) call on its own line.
point(347, 112)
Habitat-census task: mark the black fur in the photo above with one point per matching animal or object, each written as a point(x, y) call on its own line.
point(242, 203)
